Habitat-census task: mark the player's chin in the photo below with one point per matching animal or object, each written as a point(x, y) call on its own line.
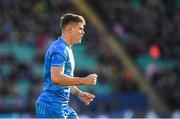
point(79, 41)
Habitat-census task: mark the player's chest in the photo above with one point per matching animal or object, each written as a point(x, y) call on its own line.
point(70, 63)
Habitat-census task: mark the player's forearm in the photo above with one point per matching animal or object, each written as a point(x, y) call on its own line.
point(65, 80)
point(75, 91)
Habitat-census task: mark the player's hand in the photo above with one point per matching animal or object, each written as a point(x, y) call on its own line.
point(86, 97)
point(91, 79)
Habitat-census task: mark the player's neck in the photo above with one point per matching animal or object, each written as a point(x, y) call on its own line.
point(67, 38)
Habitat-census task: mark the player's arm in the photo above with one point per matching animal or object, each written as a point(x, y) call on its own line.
point(75, 91)
point(86, 97)
point(58, 77)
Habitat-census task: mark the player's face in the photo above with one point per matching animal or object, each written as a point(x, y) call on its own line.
point(77, 32)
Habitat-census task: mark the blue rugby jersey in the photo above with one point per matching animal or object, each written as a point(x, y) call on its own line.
point(59, 54)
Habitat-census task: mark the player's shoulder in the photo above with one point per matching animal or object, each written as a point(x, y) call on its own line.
point(58, 46)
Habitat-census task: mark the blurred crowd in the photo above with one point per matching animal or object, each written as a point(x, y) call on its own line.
point(149, 30)
point(32, 24)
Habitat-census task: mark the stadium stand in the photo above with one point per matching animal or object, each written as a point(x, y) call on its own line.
point(149, 30)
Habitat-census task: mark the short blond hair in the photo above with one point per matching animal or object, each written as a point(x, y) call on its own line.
point(68, 18)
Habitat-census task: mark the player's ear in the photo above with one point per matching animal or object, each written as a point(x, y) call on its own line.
point(70, 28)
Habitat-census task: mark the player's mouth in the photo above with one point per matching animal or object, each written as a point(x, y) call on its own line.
point(81, 37)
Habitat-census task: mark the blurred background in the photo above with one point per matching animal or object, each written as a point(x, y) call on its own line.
point(133, 46)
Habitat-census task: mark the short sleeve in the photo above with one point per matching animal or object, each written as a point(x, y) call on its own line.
point(58, 60)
